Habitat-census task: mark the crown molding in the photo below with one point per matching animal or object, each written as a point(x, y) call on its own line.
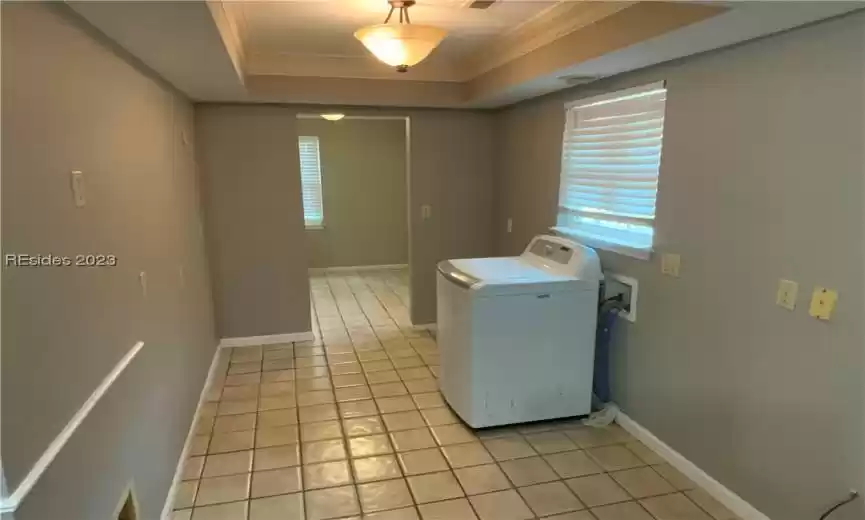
point(554, 22)
point(345, 66)
point(636, 23)
point(546, 27)
point(227, 23)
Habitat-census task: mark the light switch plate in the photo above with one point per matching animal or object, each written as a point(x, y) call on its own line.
point(670, 263)
point(788, 290)
point(510, 224)
point(823, 303)
point(77, 183)
point(425, 211)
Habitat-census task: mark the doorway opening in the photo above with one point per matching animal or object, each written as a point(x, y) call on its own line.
point(355, 179)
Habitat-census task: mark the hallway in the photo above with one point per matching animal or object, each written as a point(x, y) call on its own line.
point(177, 173)
point(353, 423)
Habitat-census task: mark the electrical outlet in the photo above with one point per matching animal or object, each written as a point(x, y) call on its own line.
point(670, 263)
point(787, 292)
point(823, 303)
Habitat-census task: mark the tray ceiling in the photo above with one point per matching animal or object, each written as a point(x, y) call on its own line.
point(315, 37)
point(304, 51)
point(327, 27)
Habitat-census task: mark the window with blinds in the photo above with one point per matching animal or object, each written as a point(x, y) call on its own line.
point(611, 155)
point(310, 179)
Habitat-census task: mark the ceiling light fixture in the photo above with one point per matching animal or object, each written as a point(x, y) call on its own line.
point(400, 45)
point(332, 117)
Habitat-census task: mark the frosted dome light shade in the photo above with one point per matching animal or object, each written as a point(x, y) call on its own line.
point(402, 44)
point(332, 117)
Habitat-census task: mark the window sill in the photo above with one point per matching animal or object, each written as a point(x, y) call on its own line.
point(315, 227)
point(596, 243)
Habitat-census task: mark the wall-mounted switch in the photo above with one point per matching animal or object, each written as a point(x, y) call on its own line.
point(142, 281)
point(787, 292)
point(426, 212)
point(510, 224)
point(670, 263)
point(77, 183)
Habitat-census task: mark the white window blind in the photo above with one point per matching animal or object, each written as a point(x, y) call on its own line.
point(310, 179)
point(611, 155)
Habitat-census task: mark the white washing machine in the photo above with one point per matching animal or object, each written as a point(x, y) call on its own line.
point(517, 335)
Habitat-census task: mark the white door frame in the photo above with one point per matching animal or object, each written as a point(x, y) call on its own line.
point(407, 119)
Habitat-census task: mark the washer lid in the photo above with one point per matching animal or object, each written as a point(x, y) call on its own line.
point(509, 270)
point(512, 275)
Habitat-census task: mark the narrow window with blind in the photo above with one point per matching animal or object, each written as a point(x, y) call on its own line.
point(310, 179)
point(611, 156)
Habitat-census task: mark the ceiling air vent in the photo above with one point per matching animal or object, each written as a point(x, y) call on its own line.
point(575, 80)
point(481, 4)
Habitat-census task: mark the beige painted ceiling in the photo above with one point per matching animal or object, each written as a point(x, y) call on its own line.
point(303, 51)
point(315, 37)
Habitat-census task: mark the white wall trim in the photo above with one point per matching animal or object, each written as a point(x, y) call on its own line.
point(719, 492)
point(172, 491)
point(253, 341)
point(3, 491)
point(344, 269)
point(425, 326)
point(10, 504)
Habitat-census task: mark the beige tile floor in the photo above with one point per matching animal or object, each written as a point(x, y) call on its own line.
point(352, 425)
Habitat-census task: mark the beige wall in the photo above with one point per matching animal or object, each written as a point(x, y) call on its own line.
point(70, 103)
point(353, 91)
point(248, 157)
point(256, 218)
point(761, 178)
point(452, 171)
point(364, 177)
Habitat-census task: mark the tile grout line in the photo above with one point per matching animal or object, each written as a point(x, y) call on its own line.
point(381, 420)
point(387, 431)
point(438, 448)
point(254, 439)
point(378, 298)
point(212, 433)
point(345, 289)
point(415, 505)
point(302, 473)
point(344, 437)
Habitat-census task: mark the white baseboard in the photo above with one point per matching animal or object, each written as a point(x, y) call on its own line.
point(324, 270)
point(8, 504)
point(254, 341)
point(719, 492)
point(425, 326)
point(172, 491)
